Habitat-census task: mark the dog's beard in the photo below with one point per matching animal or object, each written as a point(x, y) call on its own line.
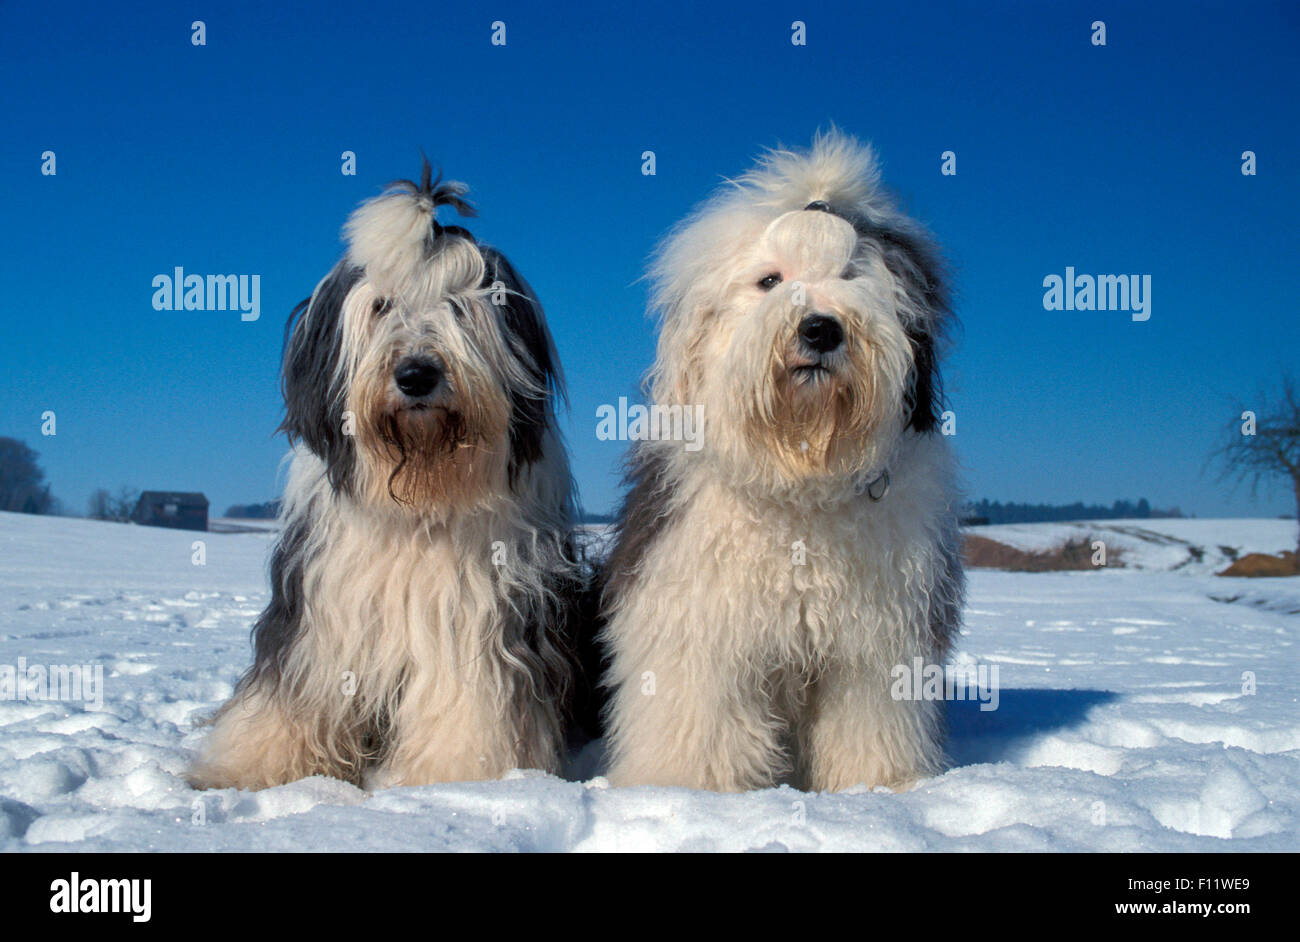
point(423, 456)
point(827, 417)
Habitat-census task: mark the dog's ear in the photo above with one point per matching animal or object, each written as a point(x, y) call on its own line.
point(315, 392)
point(680, 361)
point(918, 270)
point(524, 329)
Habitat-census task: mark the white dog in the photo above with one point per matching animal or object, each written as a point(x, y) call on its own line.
point(419, 624)
point(763, 587)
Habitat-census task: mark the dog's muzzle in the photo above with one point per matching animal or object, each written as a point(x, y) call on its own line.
point(820, 335)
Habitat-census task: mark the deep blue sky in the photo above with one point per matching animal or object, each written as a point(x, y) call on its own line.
point(225, 158)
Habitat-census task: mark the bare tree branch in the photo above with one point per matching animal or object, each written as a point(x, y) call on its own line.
point(1272, 451)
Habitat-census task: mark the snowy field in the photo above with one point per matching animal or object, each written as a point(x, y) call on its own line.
point(1123, 721)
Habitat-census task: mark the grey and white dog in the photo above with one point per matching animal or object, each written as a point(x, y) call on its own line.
point(419, 628)
point(763, 587)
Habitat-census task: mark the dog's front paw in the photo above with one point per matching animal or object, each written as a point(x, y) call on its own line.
point(382, 777)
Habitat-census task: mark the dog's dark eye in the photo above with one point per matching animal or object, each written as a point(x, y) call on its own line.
point(381, 306)
point(769, 282)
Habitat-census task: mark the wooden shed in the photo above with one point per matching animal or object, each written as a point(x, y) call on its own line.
point(178, 509)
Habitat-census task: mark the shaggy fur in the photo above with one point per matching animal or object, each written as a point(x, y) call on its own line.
point(423, 585)
point(762, 588)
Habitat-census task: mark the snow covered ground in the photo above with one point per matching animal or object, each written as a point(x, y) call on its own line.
point(1123, 719)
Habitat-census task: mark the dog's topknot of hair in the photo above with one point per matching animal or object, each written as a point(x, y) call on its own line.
point(838, 170)
point(399, 229)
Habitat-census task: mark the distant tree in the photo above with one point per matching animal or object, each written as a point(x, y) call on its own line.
point(22, 482)
point(106, 506)
point(998, 512)
point(1263, 444)
point(97, 506)
point(267, 511)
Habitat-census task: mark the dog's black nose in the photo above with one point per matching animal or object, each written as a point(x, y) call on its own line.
point(417, 376)
point(821, 333)
point(818, 206)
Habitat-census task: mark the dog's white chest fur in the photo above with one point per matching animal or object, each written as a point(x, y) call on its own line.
point(797, 581)
point(399, 598)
